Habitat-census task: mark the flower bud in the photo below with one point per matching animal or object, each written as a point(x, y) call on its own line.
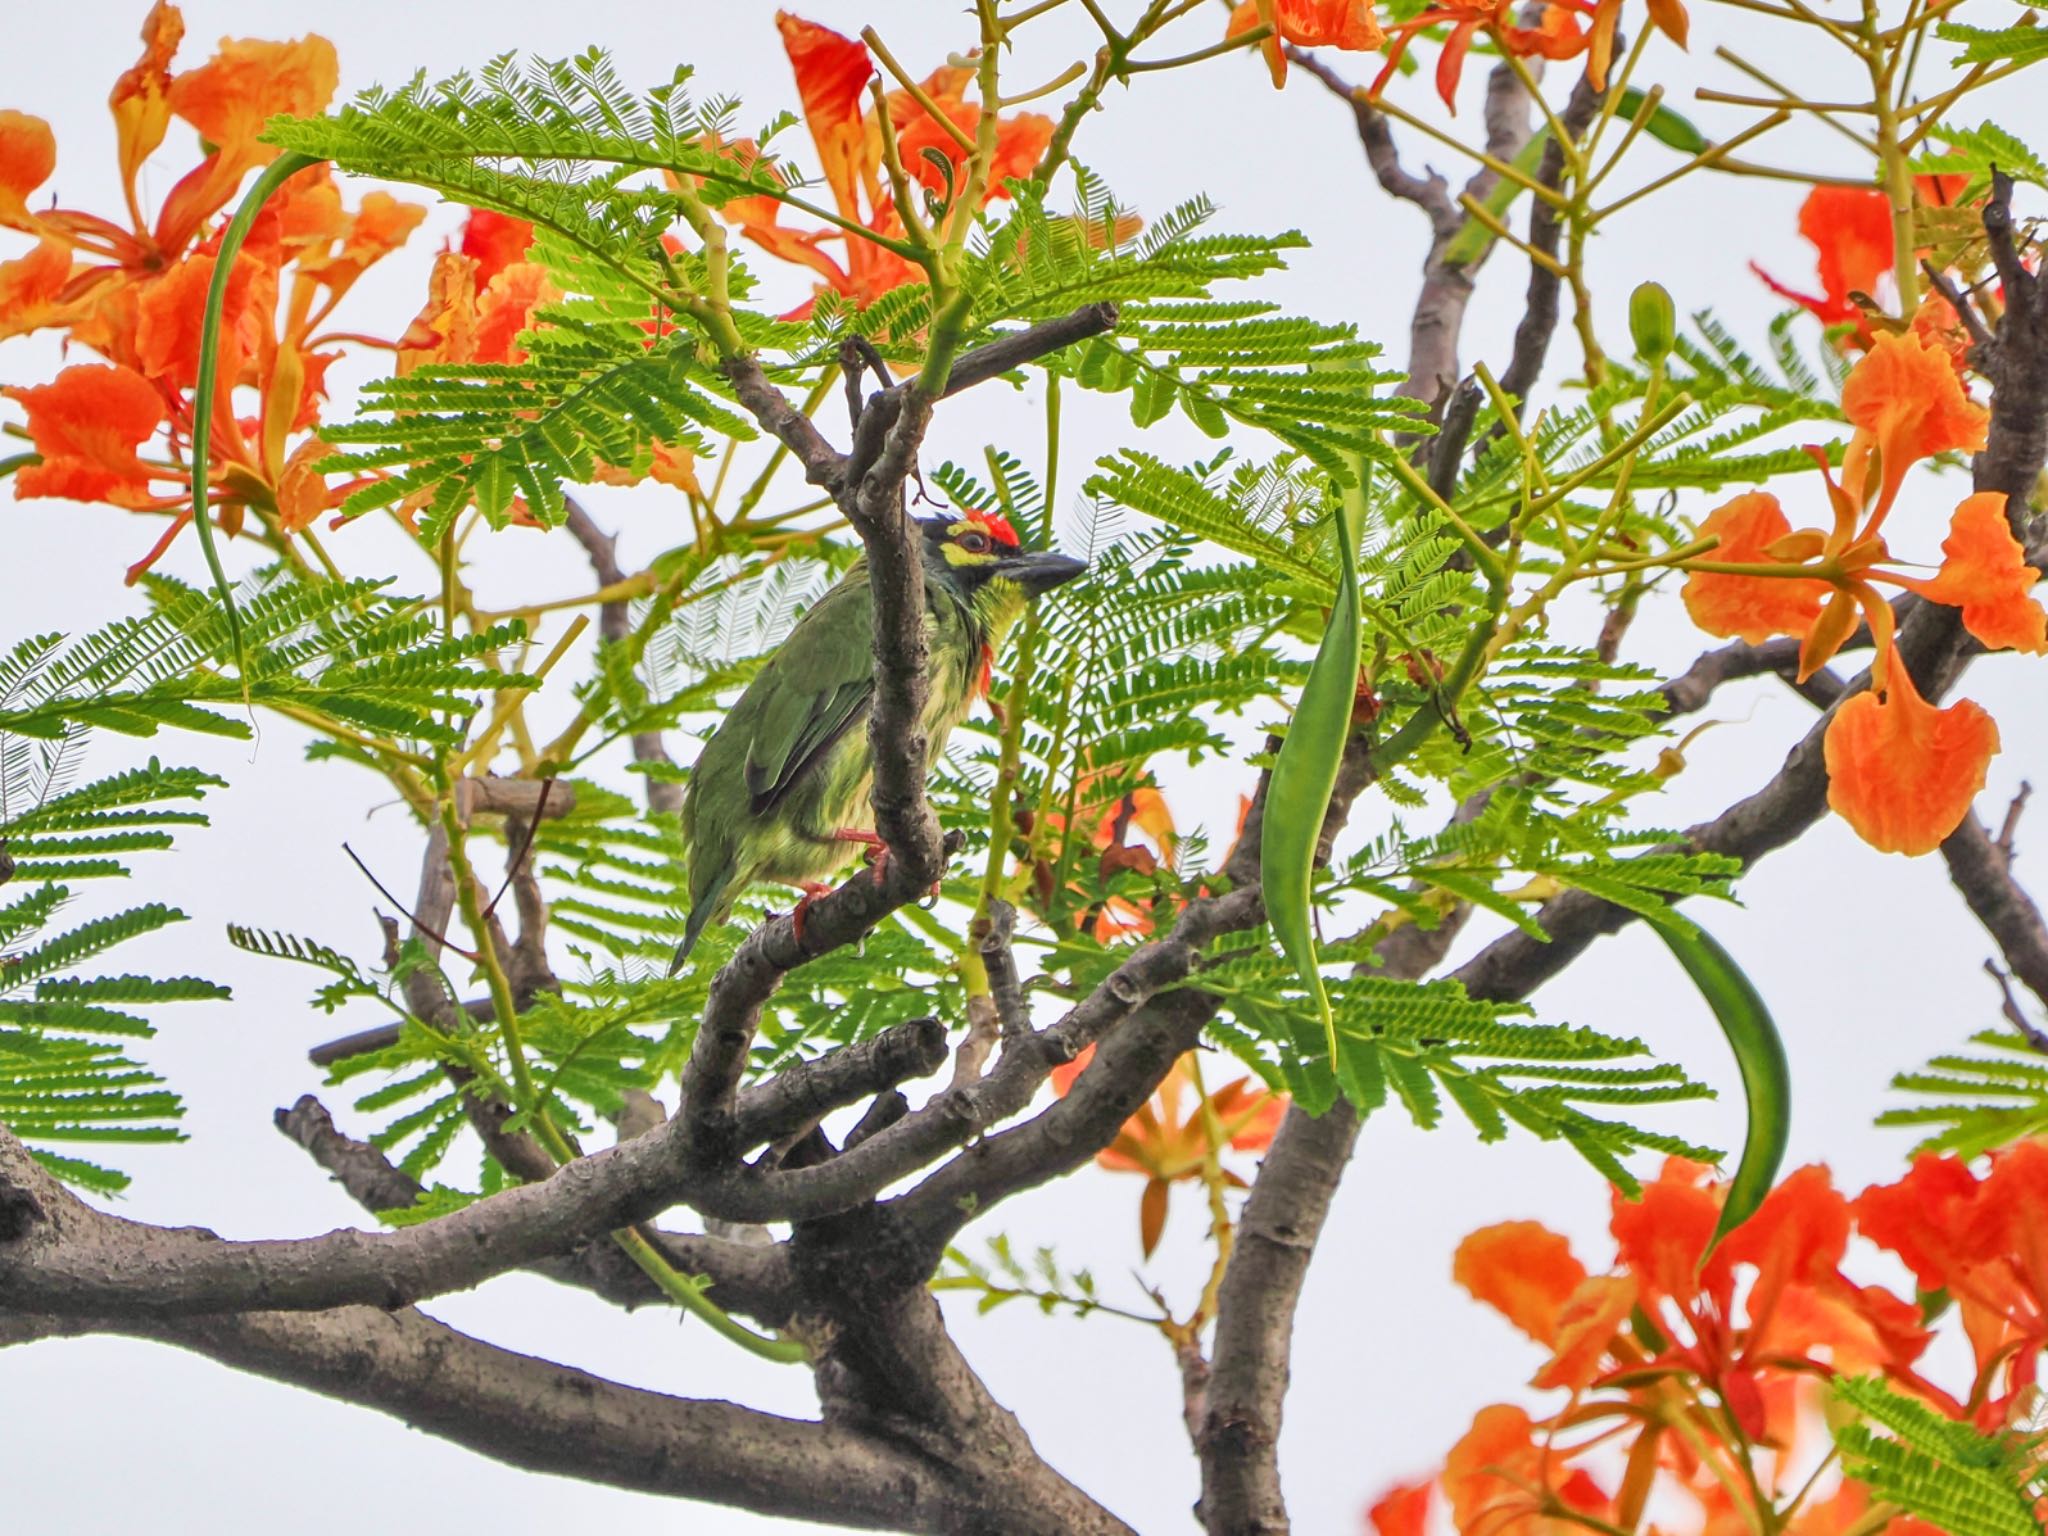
point(1652, 323)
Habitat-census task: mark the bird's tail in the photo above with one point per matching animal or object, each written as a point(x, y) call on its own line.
point(702, 911)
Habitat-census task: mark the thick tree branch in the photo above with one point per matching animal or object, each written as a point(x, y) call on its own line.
point(58, 1255)
point(542, 1417)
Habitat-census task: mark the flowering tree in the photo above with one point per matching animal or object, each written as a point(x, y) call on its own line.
point(1380, 565)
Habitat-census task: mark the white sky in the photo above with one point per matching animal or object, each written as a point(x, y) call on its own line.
point(1869, 961)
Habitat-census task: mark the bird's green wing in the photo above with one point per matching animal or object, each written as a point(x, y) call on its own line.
point(815, 689)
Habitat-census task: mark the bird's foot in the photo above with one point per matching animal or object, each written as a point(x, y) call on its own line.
point(877, 854)
point(812, 890)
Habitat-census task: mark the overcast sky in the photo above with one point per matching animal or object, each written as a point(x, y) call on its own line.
point(1868, 960)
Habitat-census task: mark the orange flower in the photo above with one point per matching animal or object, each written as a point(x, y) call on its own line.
point(1559, 38)
point(1524, 1271)
point(141, 101)
point(1168, 1145)
point(28, 154)
point(1851, 228)
point(87, 424)
point(1346, 24)
point(229, 99)
point(1902, 772)
point(31, 289)
point(1752, 608)
point(1497, 1478)
point(135, 292)
point(1981, 1241)
point(1907, 404)
point(505, 308)
point(494, 241)
point(1987, 576)
point(832, 74)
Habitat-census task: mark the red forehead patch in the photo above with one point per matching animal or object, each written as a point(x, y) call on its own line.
point(994, 524)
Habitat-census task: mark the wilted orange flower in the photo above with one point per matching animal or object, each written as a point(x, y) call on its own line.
point(1168, 1143)
point(832, 74)
point(135, 291)
point(1347, 24)
point(1901, 771)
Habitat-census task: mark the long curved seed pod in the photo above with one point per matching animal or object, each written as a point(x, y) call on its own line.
point(279, 171)
point(1305, 773)
point(1759, 1053)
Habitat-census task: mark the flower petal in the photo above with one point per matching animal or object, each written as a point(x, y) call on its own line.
point(832, 74)
point(141, 98)
point(1586, 1325)
point(1987, 576)
point(28, 154)
point(494, 241)
point(87, 423)
point(1905, 394)
point(1524, 1271)
point(1902, 772)
point(1404, 1511)
point(30, 288)
point(1851, 228)
point(1752, 608)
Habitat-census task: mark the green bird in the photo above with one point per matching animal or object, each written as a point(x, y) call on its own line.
point(780, 792)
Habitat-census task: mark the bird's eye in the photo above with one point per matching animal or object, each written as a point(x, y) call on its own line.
point(974, 543)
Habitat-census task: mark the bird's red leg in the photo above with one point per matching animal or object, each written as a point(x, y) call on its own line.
point(812, 890)
point(878, 852)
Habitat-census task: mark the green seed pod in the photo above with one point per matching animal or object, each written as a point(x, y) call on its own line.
point(1652, 322)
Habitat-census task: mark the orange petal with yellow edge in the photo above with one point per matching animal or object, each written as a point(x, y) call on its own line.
point(1987, 576)
point(1902, 772)
point(1830, 632)
point(445, 330)
point(1524, 1271)
point(28, 154)
point(1752, 608)
point(87, 423)
point(31, 287)
point(141, 97)
point(1906, 395)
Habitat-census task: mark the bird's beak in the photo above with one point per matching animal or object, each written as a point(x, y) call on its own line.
point(1041, 571)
